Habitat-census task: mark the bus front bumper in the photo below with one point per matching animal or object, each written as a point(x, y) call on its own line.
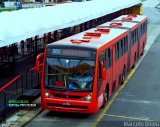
point(69, 105)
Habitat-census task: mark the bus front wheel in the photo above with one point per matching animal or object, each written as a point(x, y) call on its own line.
point(105, 97)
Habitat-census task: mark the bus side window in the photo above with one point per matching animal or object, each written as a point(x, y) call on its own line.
point(99, 69)
point(121, 48)
point(143, 27)
point(141, 30)
point(132, 38)
point(124, 39)
point(146, 26)
point(101, 60)
point(126, 45)
point(108, 58)
point(137, 34)
point(117, 51)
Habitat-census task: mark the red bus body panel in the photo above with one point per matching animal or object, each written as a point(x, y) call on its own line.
point(74, 101)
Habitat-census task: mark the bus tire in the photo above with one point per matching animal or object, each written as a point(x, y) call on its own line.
point(123, 76)
point(142, 50)
point(105, 97)
point(134, 61)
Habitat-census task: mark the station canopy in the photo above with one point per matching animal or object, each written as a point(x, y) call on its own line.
point(26, 23)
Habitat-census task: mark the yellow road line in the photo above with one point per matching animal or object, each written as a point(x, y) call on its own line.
point(128, 117)
point(117, 92)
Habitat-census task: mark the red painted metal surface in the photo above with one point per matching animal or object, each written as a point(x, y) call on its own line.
point(10, 82)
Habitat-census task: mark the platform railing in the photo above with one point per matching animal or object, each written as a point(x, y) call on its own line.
point(15, 88)
point(32, 79)
point(10, 90)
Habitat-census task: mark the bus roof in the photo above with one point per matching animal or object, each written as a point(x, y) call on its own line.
point(119, 24)
point(136, 18)
point(94, 43)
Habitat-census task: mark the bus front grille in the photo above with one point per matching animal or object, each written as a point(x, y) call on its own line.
point(67, 106)
point(67, 96)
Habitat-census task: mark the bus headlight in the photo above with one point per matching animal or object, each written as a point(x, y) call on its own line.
point(47, 95)
point(88, 98)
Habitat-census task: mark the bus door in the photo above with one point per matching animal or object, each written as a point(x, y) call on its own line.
point(115, 65)
point(109, 68)
point(138, 39)
point(101, 83)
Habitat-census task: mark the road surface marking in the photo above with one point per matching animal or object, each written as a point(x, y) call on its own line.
point(128, 117)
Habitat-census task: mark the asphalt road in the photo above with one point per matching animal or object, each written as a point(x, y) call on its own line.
point(139, 100)
point(153, 15)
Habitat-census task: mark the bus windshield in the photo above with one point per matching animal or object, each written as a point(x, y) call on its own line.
point(69, 74)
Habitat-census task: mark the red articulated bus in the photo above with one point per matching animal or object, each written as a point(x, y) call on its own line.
point(81, 72)
point(138, 36)
point(142, 29)
point(132, 29)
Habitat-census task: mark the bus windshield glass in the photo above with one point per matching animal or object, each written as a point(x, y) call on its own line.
point(69, 73)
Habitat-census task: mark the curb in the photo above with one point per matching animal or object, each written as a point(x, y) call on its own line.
point(24, 124)
point(23, 116)
point(27, 117)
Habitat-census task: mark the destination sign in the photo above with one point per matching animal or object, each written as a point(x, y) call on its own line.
point(71, 52)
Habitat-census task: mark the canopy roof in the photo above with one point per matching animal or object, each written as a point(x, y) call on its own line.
point(25, 23)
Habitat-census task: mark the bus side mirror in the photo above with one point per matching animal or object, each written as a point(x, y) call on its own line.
point(103, 73)
point(37, 66)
